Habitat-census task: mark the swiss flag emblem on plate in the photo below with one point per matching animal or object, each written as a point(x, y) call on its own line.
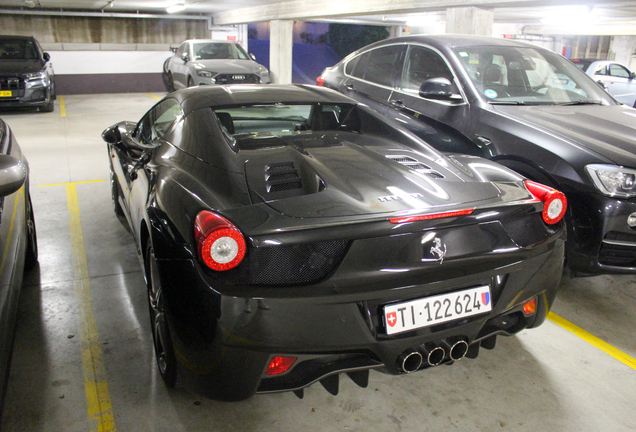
point(391, 318)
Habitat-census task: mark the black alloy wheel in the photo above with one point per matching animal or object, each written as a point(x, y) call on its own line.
point(164, 351)
point(31, 258)
point(170, 82)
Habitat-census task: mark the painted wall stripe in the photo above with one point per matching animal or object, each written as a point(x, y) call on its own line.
point(591, 339)
point(99, 406)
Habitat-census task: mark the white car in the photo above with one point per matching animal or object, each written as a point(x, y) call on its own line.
point(619, 81)
point(201, 62)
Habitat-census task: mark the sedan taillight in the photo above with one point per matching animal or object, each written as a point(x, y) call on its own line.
point(554, 202)
point(220, 244)
point(320, 81)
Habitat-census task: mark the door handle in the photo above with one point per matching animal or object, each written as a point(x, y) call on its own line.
point(397, 103)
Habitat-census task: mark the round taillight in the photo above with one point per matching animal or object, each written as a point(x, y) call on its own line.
point(220, 244)
point(554, 202)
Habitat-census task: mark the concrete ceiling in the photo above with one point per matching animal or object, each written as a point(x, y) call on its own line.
point(395, 12)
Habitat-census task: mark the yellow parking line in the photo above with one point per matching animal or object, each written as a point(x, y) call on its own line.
point(151, 95)
point(99, 406)
point(591, 339)
point(62, 106)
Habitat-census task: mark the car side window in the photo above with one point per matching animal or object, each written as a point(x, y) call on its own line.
point(351, 65)
point(165, 114)
point(360, 66)
point(157, 121)
point(382, 62)
point(601, 71)
point(619, 71)
point(423, 64)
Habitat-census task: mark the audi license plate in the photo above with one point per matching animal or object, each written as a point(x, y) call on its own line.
point(6, 93)
point(433, 310)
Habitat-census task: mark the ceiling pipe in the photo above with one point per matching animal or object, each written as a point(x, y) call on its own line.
point(103, 14)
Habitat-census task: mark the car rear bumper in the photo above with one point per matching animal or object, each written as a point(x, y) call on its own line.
point(224, 343)
point(603, 240)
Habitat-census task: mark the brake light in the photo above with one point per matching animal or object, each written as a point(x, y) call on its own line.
point(280, 364)
point(554, 202)
point(320, 81)
point(405, 219)
point(220, 244)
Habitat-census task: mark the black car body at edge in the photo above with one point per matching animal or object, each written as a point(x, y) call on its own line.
point(18, 241)
point(324, 258)
point(564, 131)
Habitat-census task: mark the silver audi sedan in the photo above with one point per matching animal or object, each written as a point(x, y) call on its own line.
point(200, 62)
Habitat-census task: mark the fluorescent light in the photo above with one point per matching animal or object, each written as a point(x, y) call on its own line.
point(176, 8)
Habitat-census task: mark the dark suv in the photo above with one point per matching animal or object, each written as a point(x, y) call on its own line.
point(524, 107)
point(26, 74)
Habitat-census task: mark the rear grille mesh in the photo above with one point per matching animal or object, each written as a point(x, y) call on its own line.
point(288, 264)
point(527, 230)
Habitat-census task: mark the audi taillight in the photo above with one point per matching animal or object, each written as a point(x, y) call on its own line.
point(554, 202)
point(220, 244)
point(320, 81)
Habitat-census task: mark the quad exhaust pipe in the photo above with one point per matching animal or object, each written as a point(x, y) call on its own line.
point(433, 354)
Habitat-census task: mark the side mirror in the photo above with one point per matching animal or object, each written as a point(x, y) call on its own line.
point(438, 88)
point(632, 75)
point(253, 56)
point(46, 56)
point(112, 135)
point(185, 57)
point(13, 174)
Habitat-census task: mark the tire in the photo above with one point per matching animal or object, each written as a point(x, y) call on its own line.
point(170, 82)
point(49, 106)
point(162, 341)
point(190, 82)
point(114, 192)
point(31, 257)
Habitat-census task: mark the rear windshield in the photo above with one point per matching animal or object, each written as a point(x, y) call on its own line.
point(18, 49)
point(264, 121)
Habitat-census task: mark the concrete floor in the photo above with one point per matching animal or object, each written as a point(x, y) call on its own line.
point(546, 379)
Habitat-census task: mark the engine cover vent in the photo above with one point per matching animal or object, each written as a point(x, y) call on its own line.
point(282, 177)
point(415, 165)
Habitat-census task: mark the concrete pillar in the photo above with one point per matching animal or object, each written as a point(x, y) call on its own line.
point(281, 40)
point(469, 20)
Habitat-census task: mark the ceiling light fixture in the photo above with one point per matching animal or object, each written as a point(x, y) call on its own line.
point(176, 8)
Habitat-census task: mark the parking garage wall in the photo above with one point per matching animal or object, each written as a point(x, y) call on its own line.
point(106, 55)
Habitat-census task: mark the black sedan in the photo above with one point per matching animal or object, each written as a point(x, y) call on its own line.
point(18, 241)
point(289, 234)
point(526, 108)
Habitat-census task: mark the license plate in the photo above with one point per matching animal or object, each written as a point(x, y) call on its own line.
point(433, 310)
point(6, 93)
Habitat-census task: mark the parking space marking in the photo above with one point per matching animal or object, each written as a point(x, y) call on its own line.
point(99, 406)
point(151, 95)
point(593, 340)
point(62, 106)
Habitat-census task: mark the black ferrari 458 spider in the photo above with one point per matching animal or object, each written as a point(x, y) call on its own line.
point(289, 234)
